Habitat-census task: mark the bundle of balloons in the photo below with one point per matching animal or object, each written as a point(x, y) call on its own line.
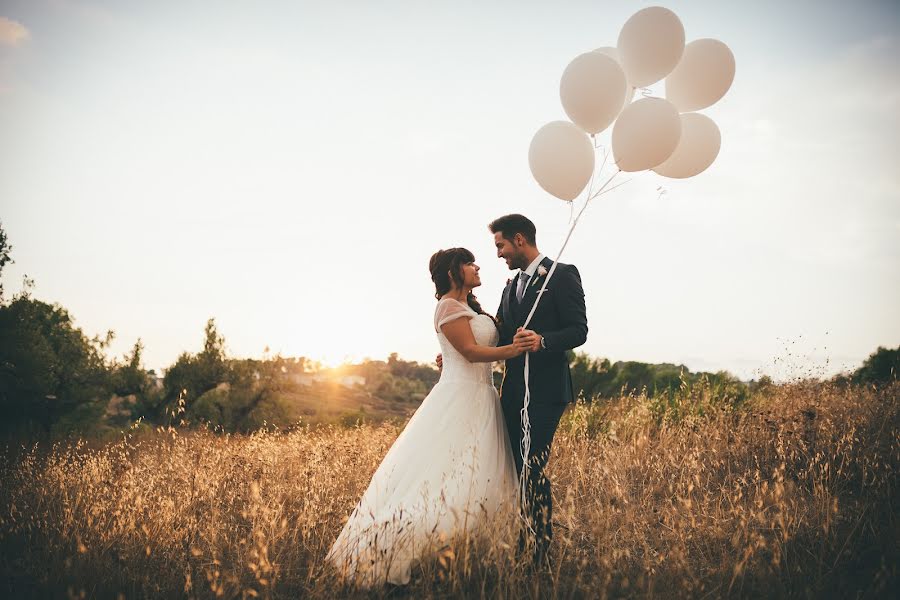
point(665, 135)
point(662, 134)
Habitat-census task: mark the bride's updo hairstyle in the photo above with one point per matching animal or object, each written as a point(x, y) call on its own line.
point(447, 264)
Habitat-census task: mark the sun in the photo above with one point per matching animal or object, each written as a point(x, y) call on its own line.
point(333, 360)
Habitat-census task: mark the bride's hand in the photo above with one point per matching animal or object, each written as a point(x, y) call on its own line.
point(520, 346)
point(531, 339)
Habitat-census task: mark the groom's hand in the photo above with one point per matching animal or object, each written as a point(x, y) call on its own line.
point(528, 339)
point(440, 361)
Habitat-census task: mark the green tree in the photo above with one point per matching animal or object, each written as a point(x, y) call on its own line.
point(426, 374)
point(590, 376)
point(596, 377)
point(632, 376)
point(48, 367)
point(129, 377)
point(881, 367)
point(5, 249)
point(199, 373)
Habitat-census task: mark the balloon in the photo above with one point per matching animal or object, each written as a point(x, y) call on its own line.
point(650, 45)
point(614, 54)
point(610, 52)
point(561, 158)
point(702, 77)
point(697, 149)
point(592, 91)
point(645, 134)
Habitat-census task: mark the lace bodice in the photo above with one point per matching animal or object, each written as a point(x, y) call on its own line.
point(485, 332)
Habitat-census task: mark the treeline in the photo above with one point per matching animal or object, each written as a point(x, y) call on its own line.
point(56, 380)
point(598, 377)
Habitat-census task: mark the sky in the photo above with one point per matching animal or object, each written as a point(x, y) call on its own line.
point(288, 168)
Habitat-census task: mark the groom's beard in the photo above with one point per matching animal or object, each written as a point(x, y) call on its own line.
point(518, 262)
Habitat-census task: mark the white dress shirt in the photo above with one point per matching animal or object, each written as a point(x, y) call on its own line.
point(533, 266)
point(530, 272)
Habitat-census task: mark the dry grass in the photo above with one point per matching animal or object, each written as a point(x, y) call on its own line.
point(791, 495)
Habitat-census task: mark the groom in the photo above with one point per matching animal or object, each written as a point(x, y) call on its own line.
point(558, 325)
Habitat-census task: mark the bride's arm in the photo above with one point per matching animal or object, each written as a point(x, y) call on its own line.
point(459, 333)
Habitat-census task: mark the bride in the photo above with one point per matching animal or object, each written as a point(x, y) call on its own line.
point(451, 468)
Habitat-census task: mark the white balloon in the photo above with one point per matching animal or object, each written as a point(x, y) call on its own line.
point(610, 52)
point(650, 45)
point(702, 77)
point(645, 134)
point(697, 149)
point(592, 91)
point(561, 158)
point(614, 54)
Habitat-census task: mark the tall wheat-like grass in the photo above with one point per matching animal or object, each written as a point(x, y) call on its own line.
point(792, 494)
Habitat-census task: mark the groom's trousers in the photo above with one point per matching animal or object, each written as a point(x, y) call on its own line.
point(544, 419)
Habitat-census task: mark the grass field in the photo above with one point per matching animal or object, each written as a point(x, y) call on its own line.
point(793, 494)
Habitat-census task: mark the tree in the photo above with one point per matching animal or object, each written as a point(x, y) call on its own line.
point(632, 376)
point(213, 343)
point(201, 372)
point(130, 378)
point(590, 376)
point(881, 367)
point(5, 249)
point(48, 367)
point(412, 370)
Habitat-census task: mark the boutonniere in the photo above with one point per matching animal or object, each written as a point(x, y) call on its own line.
point(541, 271)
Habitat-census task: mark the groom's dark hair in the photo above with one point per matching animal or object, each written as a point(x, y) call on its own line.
point(510, 225)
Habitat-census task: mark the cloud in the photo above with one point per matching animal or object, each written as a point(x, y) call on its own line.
point(12, 33)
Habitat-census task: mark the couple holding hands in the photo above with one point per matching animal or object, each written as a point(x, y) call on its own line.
point(458, 460)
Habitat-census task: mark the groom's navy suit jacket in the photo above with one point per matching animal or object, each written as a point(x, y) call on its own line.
point(560, 317)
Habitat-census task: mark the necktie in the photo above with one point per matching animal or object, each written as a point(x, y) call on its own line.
point(523, 283)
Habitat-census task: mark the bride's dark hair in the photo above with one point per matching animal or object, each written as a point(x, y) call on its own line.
point(445, 267)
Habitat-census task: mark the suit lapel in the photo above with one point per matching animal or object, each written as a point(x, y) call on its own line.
point(527, 301)
point(534, 285)
point(509, 301)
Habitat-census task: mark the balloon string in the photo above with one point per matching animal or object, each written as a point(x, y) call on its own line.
point(662, 191)
point(589, 187)
point(566, 242)
point(604, 192)
point(525, 444)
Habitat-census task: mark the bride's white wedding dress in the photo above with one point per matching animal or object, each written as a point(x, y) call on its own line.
point(450, 469)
